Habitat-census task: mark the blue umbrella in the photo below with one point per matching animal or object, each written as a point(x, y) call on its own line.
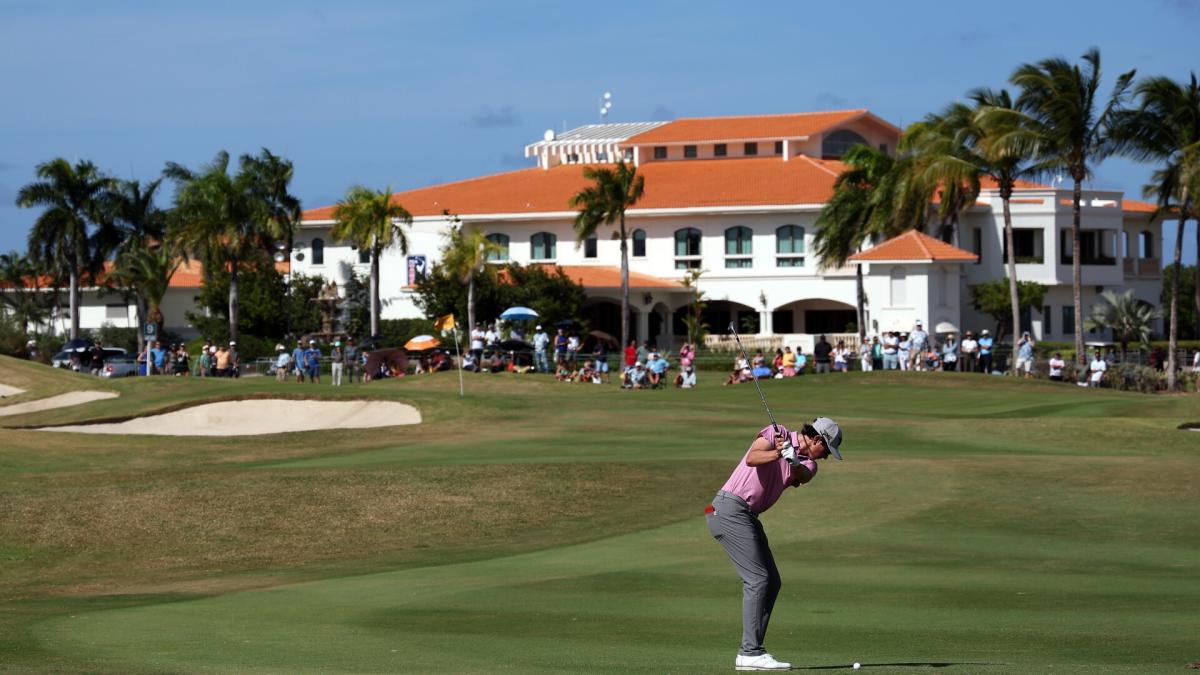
point(518, 314)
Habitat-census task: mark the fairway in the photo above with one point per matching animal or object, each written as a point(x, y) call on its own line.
point(978, 524)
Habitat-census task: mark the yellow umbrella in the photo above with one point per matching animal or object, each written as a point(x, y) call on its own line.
point(422, 342)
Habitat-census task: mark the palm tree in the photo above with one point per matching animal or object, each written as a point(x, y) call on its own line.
point(372, 221)
point(272, 178)
point(604, 202)
point(466, 255)
point(1129, 319)
point(1165, 127)
point(147, 272)
point(221, 220)
point(142, 225)
point(72, 236)
point(20, 290)
point(1061, 120)
point(874, 198)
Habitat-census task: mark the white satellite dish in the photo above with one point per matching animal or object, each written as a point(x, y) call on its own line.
point(549, 135)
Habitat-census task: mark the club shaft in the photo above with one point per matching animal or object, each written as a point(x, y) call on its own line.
point(754, 377)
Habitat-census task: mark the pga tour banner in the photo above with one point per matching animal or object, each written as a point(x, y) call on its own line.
point(416, 269)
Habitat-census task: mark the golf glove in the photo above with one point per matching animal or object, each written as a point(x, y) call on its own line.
point(789, 453)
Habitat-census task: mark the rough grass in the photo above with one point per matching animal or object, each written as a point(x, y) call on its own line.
point(978, 524)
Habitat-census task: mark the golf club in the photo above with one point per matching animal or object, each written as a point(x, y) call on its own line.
point(754, 377)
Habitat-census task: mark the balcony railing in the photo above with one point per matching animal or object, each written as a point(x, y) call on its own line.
point(1146, 268)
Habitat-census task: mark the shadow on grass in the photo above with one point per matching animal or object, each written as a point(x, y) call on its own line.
point(895, 664)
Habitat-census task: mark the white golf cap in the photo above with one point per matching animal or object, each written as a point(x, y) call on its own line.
point(831, 433)
point(232, 343)
point(539, 326)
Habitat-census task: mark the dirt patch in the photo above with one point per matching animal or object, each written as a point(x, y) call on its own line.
point(259, 416)
point(52, 402)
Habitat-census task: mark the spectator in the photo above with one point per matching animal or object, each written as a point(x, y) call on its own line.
point(758, 366)
point(183, 365)
point(477, 336)
point(865, 356)
point(687, 355)
point(777, 363)
point(97, 358)
point(985, 351)
point(469, 363)
point(970, 353)
point(222, 360)
point(234, 360)
point(919, 340)
point(158, 358)
point(312, 362)
point(643, 351)
point(950, 353)
point(904, 352)
point(1056, 365)
point(788, 369)
point(637, 376)
point(491, 337)
point(1196, 368)
point(560, 347)
point(588, 373)
point(1025, 355)
point(540, 341)
point(801, 360)
point(876, 353)
point(337, 361)
point(573, 349)
point(891, 351)
point(282, 362)
point(821, 355)
point(1096, 370)
point(630, 356)
point(298, 361)
point(741, 371)
point(353, 367)
point(931, 360)
point(657, 369)
point(840, 354)
point(686, 379)
point(495, 364)
point(600, 357)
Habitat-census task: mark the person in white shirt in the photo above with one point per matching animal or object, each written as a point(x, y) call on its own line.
point(891, 345)
point(1056, 365)
point(918, 339)
point(969, 349)
point(477, 336)
point(1097, 368)
point(905, 351)
point(865, 356)
point(541, 340)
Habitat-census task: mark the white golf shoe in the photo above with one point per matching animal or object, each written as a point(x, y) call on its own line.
point(760, 662)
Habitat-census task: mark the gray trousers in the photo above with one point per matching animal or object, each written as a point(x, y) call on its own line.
point(739, 531)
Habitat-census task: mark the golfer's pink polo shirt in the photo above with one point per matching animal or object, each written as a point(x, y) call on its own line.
point(761, 486)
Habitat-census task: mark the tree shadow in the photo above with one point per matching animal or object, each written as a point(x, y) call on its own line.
point(897, 664)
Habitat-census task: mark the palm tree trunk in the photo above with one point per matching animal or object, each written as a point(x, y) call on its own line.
point(140, 307)
point(233, 299)
point(471, 303)
point(1076, 280)
point(1196, 270)
point(375, 291)
point(624, 285)
point(1173, 340)
point(862, 301)
point(1012, 278)
point(73, 301)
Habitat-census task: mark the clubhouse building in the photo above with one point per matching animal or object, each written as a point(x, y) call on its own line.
point(738, 198)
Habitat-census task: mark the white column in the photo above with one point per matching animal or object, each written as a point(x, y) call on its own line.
point(786, 152)
point(636, 156)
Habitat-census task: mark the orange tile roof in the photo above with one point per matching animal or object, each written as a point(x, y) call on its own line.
point(748, 127)
point(990, 183)
point(1135, 206)
point(916, 247)
point(190, 274)
point(751, 181)
point(599, 276)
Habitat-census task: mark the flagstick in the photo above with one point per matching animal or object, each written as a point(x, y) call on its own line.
point(459, 359)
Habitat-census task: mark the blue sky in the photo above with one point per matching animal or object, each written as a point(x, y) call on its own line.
point(407, 94)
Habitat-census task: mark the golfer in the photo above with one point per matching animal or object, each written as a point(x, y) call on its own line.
point(773, 463)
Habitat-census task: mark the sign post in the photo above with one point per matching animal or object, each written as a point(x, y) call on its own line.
point(150, 332)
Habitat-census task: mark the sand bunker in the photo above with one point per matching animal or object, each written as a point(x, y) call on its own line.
point(6, 390)
point(51, 402)
point(255, 417)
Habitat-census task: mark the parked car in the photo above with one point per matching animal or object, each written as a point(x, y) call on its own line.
point(122, 365)
point(63, 358)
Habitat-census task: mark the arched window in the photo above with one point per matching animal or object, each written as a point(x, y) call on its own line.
point(590, 247)
point(318, 251)
point(899, 298)
point(687, 248)
point(639, 243)
point(543, 246)
point(789, 246)
point(501, 241)
point(739, 245)
point(836, 144)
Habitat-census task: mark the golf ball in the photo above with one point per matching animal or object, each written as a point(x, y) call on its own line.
point(857, 665)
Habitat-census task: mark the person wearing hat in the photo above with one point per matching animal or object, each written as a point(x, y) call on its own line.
point(970, 352)
point(298, 361)
point(541, 339)
point(337, 363)
point(234, 361)
point(312, 362)
point(776, 460)
point(353, 360)
point(985, 351)
point(282, 360)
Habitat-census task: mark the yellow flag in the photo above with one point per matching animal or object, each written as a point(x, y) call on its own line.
point(444, 323)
